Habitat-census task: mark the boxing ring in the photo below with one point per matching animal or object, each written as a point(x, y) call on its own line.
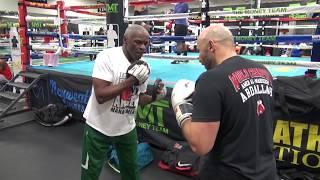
point(70, 82)
point(170, 73)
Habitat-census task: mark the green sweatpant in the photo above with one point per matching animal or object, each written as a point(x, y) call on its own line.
point(94, 154)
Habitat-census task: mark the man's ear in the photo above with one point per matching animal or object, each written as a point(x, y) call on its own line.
point(211, 45)
point(124, 40)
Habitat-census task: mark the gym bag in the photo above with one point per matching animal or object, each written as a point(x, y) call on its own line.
point(297, 126)
point(145, 157)
point(297, 95)
point(180, 159)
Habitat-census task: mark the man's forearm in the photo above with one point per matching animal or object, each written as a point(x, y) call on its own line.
point(189, 135)
point(145, 99)
point(109, 92)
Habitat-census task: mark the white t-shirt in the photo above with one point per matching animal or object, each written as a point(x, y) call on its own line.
point(116, 116)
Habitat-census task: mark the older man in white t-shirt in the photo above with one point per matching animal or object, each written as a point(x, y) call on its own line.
point(119, 83)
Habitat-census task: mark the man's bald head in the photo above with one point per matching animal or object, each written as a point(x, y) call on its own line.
point(218, 33)
point(215, 45)
point(135, 29)
point(135, 41)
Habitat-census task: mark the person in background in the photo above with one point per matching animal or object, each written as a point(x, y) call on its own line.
point(139, 11)
point(5, 71)
point(238, 49)
point(181, 27)
point(315, 52)
point(221, 118)
point(119, 83)
point(14, 42)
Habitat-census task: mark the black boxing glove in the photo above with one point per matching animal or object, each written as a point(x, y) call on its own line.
point(159, 90)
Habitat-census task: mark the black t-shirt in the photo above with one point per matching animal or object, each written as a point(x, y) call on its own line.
point(238, 93)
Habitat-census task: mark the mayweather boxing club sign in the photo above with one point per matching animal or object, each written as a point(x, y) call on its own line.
point(151, 116)
point(109, 8)
point(262, 11)
point(265, 39)
point(297, 143)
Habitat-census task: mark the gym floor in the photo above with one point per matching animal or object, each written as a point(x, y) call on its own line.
point(31, 151)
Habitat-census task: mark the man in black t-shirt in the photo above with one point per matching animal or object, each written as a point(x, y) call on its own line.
point(227, 114)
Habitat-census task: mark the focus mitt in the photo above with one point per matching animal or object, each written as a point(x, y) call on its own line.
point(181, 99)
point(140, 70)
point(169, 25)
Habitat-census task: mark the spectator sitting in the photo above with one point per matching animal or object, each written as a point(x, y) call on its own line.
point(5, 72)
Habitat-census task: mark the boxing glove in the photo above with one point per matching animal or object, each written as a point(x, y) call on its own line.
point(140, 70)
point(181, 100)
point(159, 90)
point(169, 25)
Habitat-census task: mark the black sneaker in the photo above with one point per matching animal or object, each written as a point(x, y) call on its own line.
point(175, 62)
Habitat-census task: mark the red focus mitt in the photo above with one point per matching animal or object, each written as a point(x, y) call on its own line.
point(169, 25)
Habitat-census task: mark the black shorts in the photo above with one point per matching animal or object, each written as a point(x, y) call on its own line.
point(180, 30)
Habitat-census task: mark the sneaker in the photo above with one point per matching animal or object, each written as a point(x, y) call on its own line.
point(185, 53)
point(175, 62)
point(310, 75)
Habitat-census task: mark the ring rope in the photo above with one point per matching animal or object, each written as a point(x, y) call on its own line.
point(197, 21)
point(234, 13)
point(304, 64)
point(267, 11)
point(302, 46)
point(275, 27)
point(249, 39)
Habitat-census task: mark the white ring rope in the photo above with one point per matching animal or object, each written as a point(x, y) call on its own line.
point(172, 44)
point(161, 56)
point(97, 21)
point(274, 27)
point(301, 46)
point(304, 64)
point(234, 13)
point(44, 47)
point(42, 18)
point(267, 11)
point(98, 18)
point(165, 17)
